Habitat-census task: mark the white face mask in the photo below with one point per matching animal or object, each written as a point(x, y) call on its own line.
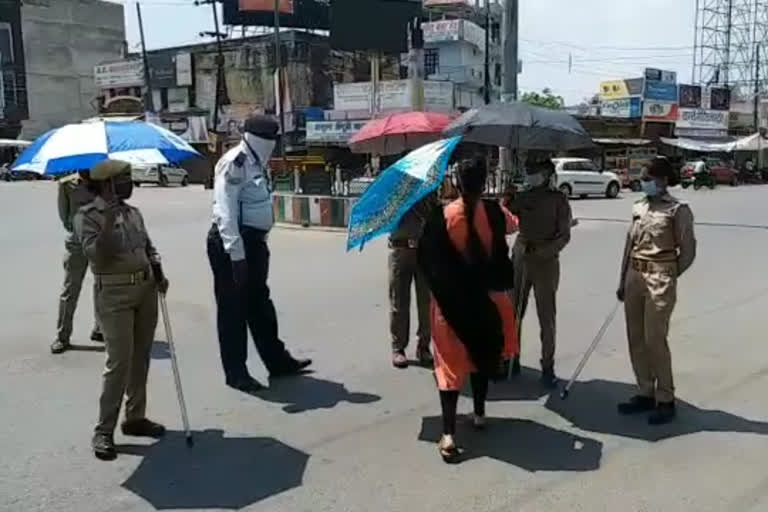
point(650, 188)
point(262, 147)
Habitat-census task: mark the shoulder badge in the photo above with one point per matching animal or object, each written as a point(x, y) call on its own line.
point(240, 159)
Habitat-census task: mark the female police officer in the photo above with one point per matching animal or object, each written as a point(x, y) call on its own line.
point(660, 246)
point(127, 276)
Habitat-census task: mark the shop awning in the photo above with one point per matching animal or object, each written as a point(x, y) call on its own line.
point(749, 143)
point(622, 142)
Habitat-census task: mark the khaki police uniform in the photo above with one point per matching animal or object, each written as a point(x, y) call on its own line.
point(73, 194)
point(403, 271)
point(126, 304)
point(545, 229)
point(660, 246)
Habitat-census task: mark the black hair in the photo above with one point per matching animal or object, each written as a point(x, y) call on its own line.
point(660, 167)
point(472, 178)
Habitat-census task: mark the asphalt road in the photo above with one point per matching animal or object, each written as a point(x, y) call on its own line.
point(358, 435)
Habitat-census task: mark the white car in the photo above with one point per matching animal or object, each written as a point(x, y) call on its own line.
point(161, 175)
point(581, 177)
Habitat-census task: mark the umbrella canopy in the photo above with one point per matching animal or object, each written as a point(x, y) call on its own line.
point(79, 146)
point(396, 190)
point(399, 132)
point(521, 126)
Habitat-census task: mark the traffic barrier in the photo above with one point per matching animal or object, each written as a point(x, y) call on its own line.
point(319, 211)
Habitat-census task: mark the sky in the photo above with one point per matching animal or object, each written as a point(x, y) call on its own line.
point(604, 39)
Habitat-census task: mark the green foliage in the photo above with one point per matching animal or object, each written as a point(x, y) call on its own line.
point(544, 99)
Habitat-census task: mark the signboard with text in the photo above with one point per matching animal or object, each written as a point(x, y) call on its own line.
point(393, 95)
point(659, 111)
point(619, 89)
point(659, 75)
point(690, 97)
point(660, 91)
point(701, 119)
point(124, 73)
point(625, 108)
point(332, 132)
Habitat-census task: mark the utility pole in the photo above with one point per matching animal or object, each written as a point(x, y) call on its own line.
point(416, 64)
point(149, 102)
point(509, 83)
point(487, 86)
point(280, 102)
point(756, 116)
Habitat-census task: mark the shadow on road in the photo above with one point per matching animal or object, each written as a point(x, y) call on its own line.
point(218, 473)
point(306, 393)
point(86, 348)
point(592, 407)
point(525, 386)
point(523, 443)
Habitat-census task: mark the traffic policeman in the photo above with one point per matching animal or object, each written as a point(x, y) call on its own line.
point(127, 277)
point(73, 193)
point(239, 258)
point(660, 247)
point(545, 230)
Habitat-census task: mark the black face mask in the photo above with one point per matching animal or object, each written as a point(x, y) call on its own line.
point(123, 189)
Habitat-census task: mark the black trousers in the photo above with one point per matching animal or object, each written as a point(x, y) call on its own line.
point(249, 308)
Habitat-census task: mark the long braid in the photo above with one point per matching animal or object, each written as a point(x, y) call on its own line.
point(473, 177)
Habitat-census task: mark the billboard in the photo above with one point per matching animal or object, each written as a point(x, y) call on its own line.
point(702, 119)
point(690, 97)
point(625, 108)
point(310, 14)
point(658, 75)
point(124, 73)
point(660, 91)
point(393, 95)
point(659, 111)
point(333, 132)
point(618, 89)
point(454, 30)
point(162, 70)
point(372, 25)
point(720, 99)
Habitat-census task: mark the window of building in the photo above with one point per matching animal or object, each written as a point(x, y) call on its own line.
point(431, 61)
point(6, 43)
point(497, 74)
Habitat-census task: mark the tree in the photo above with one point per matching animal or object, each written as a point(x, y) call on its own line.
point(544, 99)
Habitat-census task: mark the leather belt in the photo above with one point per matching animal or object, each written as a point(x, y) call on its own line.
point(404, 244)
point(122, 279)
point(650, 266)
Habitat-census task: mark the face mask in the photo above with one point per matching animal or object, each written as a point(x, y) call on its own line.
point(122, 188)
point(537, 180)
point(262, 148)
point(650, 188)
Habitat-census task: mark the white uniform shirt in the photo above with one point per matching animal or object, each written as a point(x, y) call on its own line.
point(241, 196)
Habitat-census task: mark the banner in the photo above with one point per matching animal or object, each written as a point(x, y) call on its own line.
point(660, 91)
point(626, 108)
point(333, 132)
point(702, 119)
point(658, 75)
point(393, 95)
point(720, 99)
point(125, 73)
point(657, 111)
point(285, 6)
point(690, 97)
point(619, 89)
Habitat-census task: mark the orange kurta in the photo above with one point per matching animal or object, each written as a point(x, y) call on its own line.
point(452, 362)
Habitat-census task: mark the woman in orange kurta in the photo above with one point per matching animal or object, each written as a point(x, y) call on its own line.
point(476, 231)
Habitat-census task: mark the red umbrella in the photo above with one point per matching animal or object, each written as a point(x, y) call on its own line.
point(397, 133)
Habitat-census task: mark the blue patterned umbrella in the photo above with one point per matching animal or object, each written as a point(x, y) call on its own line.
point(398, 188)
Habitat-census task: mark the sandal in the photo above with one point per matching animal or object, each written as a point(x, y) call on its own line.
point(448, 450)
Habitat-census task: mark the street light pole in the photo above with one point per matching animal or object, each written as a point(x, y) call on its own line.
point(509, 83)
point(149, 101)
point(279, 84)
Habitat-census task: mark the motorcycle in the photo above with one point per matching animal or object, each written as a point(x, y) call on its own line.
point(698, 180)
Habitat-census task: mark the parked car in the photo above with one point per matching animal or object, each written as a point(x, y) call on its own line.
point(724, 173)
point(581, 177)
point(161, 175)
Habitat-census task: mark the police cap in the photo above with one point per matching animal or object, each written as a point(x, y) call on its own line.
point(261, 126)
point(106, 169)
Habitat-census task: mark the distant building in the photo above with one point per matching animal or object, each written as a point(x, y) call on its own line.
point(13, 89)
point(63, 40)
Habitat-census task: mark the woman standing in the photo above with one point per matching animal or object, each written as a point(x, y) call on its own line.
point(660, 247)
point(464, 257)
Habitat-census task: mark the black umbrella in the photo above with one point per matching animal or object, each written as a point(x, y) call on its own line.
point(521, 126)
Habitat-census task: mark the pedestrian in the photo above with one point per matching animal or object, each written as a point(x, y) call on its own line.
point(239, 258)
point(465, 258)
point(660, 247)
point(127, 277)
point(73, 193)
point(403, 272)
point(545, 230)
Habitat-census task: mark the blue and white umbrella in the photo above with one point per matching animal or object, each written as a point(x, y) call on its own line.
point(79, 146)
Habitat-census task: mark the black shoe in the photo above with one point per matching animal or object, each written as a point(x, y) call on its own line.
point(425, 358)
point(59, 346)
point(548, 378)
point(636, 405)
point(143, 428)
point(292, 368)
point(97, 336)
point(516, 368)
point(665, 413)
point(103, 446)
point(246, 385)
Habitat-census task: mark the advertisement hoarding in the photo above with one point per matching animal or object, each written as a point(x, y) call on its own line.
point(372, 25)
point(162, 70)
point(441, 31)
point(659, 75)
point(285, 6)
point(660, 111)
point(332, 132)
point(184, 69)
point(702, 119)
point(625, 108)
point(393, 95)
point(310, 14)
point(660, 91)
point(618, 89)
point(720, 99)
point(124, 73)
point(690, 97)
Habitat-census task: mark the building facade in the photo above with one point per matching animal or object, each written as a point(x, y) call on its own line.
point(13, 88)
point(63, 40)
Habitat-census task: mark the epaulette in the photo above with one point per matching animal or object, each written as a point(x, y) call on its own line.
point(240, 159)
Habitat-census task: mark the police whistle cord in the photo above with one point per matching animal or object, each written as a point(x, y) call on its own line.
point(706, 224)
point(175, 366)
point(598, 337)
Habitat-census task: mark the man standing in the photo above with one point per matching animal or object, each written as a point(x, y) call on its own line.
point(239, 258)
point(404, 270)
point(73, 194)
point(545, 230)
